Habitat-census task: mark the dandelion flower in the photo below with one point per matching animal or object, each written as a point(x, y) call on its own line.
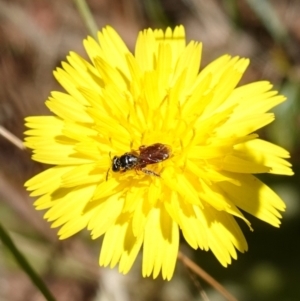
point(119, 102)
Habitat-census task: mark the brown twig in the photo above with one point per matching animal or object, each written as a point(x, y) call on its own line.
point(205, 276)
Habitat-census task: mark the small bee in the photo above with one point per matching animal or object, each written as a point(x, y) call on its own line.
point(147, 155)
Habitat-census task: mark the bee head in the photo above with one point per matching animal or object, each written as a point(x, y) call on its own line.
point(116, 164)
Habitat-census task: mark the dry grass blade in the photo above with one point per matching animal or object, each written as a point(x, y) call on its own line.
point(11, 138)
point(205, 276)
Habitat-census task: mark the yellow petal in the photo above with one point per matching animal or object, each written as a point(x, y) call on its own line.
point(255, 198)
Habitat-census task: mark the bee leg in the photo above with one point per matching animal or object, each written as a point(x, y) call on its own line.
point(150, 172)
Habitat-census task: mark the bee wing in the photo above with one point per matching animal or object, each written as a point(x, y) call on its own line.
point(154, 153)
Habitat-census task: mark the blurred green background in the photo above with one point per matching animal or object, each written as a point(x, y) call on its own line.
point(36, 35)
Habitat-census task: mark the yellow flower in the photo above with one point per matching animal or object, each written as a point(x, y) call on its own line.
point(122, 101)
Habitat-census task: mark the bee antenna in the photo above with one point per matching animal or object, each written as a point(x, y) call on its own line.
point(106, 178)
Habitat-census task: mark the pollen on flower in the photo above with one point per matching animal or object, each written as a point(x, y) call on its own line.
point(148, 145)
